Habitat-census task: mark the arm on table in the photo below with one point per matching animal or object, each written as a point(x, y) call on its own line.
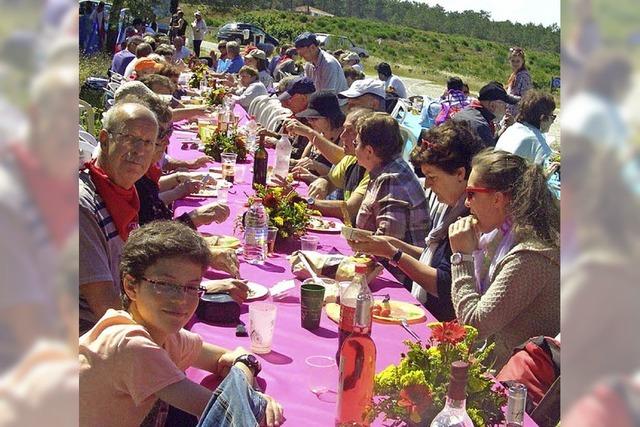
point(333, 208)
point(187, 112)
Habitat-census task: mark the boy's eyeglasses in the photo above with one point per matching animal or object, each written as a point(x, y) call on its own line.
point(471, 191)
point(174, 290)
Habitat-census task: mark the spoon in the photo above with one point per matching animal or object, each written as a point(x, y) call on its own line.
point(406, 327)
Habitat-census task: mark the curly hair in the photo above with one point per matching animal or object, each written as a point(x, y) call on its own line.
point(448, 147)
point(160, 240)
point(533, 106)
point(533, 208)
point(382, 133)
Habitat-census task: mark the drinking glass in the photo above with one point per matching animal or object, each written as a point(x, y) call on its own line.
point(309, 243)
point(262, 321)
point(229, 166)
point(322, 377)
point(272, 235)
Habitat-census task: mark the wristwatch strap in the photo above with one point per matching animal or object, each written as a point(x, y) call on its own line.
point(396, 258)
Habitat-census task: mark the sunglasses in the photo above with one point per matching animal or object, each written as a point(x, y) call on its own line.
point(471, 191)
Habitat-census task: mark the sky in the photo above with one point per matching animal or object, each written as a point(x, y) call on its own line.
point(545, 12)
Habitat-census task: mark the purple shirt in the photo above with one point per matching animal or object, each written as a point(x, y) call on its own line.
point(121, 60)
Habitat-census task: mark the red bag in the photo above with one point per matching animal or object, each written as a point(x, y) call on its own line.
point(536, 364)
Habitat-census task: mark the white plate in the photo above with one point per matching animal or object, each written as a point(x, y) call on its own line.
point(256, 291)
point(323, 225)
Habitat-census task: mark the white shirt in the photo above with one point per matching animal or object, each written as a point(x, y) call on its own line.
point(252, 91)
point(525, 140)
point(199, 29)
point(181, 54)
point(397, 84)
point(129, 70)
point(358, 67)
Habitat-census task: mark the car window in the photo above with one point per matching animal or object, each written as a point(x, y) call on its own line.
point(227, 27)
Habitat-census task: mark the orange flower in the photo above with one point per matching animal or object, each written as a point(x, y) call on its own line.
point(448, 332)
point(416, 399)
point(269, 201)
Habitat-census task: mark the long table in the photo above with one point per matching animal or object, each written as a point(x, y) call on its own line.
point(285, 374)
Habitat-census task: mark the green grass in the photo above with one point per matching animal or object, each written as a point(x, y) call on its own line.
point(93, 66)
point(411, 52)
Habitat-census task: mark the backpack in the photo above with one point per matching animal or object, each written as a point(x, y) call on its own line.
point(536, 364)
point(455, 101)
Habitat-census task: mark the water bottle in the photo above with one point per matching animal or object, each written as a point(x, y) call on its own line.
point(283, 155)
point(252, 129)
point(256, 224)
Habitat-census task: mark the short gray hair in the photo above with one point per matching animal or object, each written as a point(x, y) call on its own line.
point(117, 117)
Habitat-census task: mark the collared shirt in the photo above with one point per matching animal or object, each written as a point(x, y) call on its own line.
point(525, 140)
point(395, 204)
point(230, 65)
point(326, 73)
point(250, 93)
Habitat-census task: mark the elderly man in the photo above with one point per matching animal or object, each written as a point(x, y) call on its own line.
point(296, 95)
point(367, 93)
point(391, 83)
point(233, 62)
point(125, 56)
point(109, 204)
point(182, 52)
point(322, 67)
point(483, 114)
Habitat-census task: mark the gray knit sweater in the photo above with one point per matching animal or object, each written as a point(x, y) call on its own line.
point(522, 301)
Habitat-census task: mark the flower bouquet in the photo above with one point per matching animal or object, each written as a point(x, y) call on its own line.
point(287, 210)
point(199, 72)
point(414, 391)
point(218, 142)
point(215, 96)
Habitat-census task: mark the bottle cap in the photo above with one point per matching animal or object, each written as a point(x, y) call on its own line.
point(458, 382)
point(361, 269)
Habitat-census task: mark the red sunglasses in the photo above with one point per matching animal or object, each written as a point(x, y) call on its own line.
point(472, 190)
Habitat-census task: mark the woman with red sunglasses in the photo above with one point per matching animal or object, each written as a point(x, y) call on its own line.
point(505, 267)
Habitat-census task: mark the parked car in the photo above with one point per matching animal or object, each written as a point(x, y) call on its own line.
point(243, 33)
point(333, 42)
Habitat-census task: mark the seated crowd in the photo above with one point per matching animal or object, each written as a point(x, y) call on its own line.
point(467, 223)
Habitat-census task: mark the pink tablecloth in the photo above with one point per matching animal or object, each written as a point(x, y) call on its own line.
point(285, 374)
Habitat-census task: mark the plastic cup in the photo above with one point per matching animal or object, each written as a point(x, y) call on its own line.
point(322, 377)
point(223, 193)
point(241, 171)
point(309, 243)
point(229, 166)
point(342, 286)
point(206, 125)
point(311, 302)
point(262, 321)
point(272, 234)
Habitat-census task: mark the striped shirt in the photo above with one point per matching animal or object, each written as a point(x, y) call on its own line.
point(100, 244)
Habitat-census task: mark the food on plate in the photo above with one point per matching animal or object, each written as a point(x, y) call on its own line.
point(223, 241)
point(322, 224)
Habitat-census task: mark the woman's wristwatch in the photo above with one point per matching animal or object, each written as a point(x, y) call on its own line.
point(458, 258)
point(396, 258)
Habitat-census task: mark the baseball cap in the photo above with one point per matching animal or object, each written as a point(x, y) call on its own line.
point(363, 87)
point(257, 54)
point(197, 13)
point(494, 91)
point(350, 56)
point(306, 39)
point(301, 85)
point(322, 104)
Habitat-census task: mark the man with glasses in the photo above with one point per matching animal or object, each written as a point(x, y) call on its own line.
point(109, 204)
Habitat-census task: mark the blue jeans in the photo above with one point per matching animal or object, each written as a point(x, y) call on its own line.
point(234, 404)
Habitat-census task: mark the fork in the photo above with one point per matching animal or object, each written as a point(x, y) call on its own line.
point(406, 327)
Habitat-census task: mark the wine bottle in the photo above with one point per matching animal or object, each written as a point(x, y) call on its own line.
point(454, 413)
point(357, 369)
point(348, 304)
point(260, 159)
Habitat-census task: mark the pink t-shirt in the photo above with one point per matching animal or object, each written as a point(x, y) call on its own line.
point(121, 369)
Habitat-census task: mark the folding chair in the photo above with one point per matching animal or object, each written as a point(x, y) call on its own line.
point(89, 118)
point(112, 86)
point(276, 122)
point(264, 109)
point(116, 78)
point(256, 101)
point(85, 152)
point(410, 141)
point(87, 137)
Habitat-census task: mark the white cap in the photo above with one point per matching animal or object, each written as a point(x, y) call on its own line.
point(351, 56)
point(363, 87)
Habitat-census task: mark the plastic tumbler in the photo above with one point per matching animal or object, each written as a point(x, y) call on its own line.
point(262, 321)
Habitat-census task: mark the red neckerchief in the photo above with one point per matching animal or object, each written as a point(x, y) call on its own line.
point(52, 196)
point(154, 172)
point(476, 105)
point(123, 205)
point(284, 58)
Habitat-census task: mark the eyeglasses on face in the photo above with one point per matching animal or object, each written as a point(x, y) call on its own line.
point(133, 140)
point(173, 290)
point(471, 191)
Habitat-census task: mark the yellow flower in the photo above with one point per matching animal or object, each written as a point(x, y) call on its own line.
point(278, 221)
point(413, 378)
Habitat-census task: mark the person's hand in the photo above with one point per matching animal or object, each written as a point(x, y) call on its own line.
point(295, 127)
point(302, 174)
point(464, 235)
point(508, 120)
point(225, 259)
point(319, 188)
point(188, 187)
point(306, 163)
point(213, 212)
point(200, 162)
point(225, 362)
point(551, 169)
point(281, 181)
point(237, 289)
point(274, 414)
point(380, 246)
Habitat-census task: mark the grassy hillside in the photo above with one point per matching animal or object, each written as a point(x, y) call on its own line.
point(415, 53)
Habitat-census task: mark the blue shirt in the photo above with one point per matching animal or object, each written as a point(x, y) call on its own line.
point(121, 60)
point(230, 65)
